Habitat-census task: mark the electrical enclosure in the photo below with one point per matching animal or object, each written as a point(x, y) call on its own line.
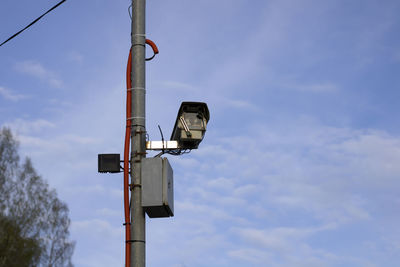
point(109, 163)
point(157, 187)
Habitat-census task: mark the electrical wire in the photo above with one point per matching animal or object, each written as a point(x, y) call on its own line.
point(162, 139)
point(175, 152)
point(129, 11)
point(33, 22)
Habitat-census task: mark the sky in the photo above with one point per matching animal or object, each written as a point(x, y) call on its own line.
point(300, 162)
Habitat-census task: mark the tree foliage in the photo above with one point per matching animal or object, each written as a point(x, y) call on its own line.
point(34, 223)
point(16, 250)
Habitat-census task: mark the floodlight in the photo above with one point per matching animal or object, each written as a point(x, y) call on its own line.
point(109, 163)
point(191, 124)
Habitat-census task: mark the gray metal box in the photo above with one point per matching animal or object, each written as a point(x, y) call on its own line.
point(157, 187)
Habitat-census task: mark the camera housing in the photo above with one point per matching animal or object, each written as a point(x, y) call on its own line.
point(191, 124)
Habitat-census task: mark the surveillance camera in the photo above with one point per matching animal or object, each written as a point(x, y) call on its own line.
point(191, 124)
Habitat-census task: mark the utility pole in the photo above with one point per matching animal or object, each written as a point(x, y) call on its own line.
point(151, 178)
point(138, 133)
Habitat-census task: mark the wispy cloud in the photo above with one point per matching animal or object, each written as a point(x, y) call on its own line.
point(334, 177)
point(267, 193)
point(10, 95)
point(97, 231)
point(24, 126)
point(240, 104)
point(96, 189)
point(277, 239)
point(75, 57)
point(109, 212)
point(319, 88)
point(323, 87)
point(178, 86)
point(37, 70)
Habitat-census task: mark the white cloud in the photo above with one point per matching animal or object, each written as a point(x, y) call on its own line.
point(283, 246)
point(278, 183)
point(221, 183)
point(96, 227)
point(254, 256)
point(96, 232)
point(51, 145)
point(317, 88)
point(278, 239)
point(322, 173)
point(55, 145)
point(75, 56)
point(247, 190)
point(239, 104)
point(24, 126)
point(92, 189)
point(109, 212)
point(95, 190)
point(10, 95)
point(179, 86)
point(37, 70)
point(329, 177)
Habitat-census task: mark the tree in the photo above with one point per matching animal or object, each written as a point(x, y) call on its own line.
point(16, 250)
point(33, 221)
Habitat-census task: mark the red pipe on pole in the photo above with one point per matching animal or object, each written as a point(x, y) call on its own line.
point(126, 152)
point(126, 161)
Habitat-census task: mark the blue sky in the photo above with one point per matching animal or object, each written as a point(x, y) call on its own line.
point(300, 163)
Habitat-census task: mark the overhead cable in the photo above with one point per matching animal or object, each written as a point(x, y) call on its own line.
point(33, 22)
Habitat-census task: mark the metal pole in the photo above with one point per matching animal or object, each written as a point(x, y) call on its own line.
point(138, 226)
